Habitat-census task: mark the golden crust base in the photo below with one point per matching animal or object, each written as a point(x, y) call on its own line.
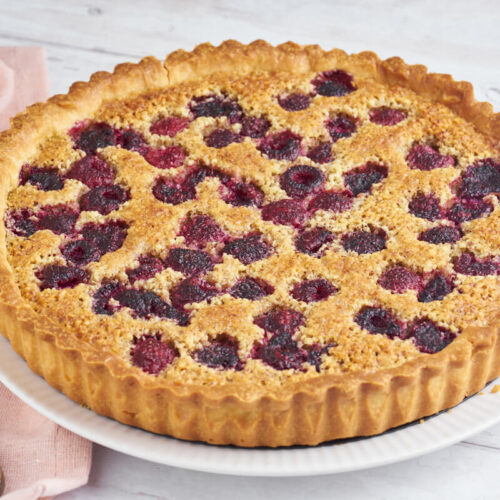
point(324, 408)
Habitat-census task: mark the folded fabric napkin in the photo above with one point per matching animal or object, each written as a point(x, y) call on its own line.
point(38, 458)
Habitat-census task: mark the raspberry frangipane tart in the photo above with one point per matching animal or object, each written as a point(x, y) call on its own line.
point(256, 245)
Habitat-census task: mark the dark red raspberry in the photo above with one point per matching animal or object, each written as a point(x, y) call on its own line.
point(170, 191)
point(248, 249)
point(341, 126)
point(313, 290)
point(279, 321)
point(107, 237)
point(335, 83)
point(21, 222)
point(200, 173)
point(301, 180)
point(425, 206)
point(364, 242)
point(378, 320)
point(481, 179)
point(169, 157)
point(131, 140)
point(399, 279)
point(441, 234)
point(215, 106)
point(254, 127)
point(189, 262)
point(170, 126)
point(288, 212)
point(469, 264)
point(281, 146)
point(436, 288)
point(57, 276)
point(60, 219)
point(92, 171)
point(46, 179)
point(281, 352)
point(201, 229)
point(294, 102)
point(312, 242)
point(469, 209)
point(103, 296)
point(148, 267)
point(80, 252)
point(315, 353)
point(95, 136)
point(222, 352)
point(242, 194)
point(251, 289)
point(429, 337)
point(191, 290)
point(322, 153)
point(333, 201)
point(104, 199)
point(152, 355)
point(387, 116)
point(221, 137)
point(361, 179)
point(425, 157)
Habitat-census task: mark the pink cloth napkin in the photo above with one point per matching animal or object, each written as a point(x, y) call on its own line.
point(39, 459)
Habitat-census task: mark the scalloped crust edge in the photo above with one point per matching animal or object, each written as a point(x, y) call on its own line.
point(325, 408)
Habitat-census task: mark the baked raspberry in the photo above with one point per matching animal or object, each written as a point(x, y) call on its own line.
point(21, 222)
point(241, 194)
point(251, 289)
point(221, 137)
point(191, 290)
point(248, 249)
point(148, 267)
point(361, 179)
point(321, 153)
point(107, 237)
point(441, 234)
point(313, 242)
point(436, 288)
point(57, 276)
point(387, 116)
point(104, 199)
point(281, 146)
point(60, 219)
point(294, 102)
point(424, 157)
point(131, 140)
point(429, 337)
point(95, 136)
point(301, 180)
point(172, 192)
point(46, 179)
point(201, 229)
point(313, 290)
point(341, 126)
point(170, 126)
point(152, 355)
point(469, 264)
point(215, 106)
point(169, 157)
point(315, 353)
point(92, 171)
point(288, 212)
point(481, 179)
point(469, 209)
point(333, 201)
point(280, 352)
point(364, 242)
point(335, 83)
point(189, 262)
point(80, 252)
point(378, 320)
point(399, 279)
point(280, 321)
point(103, 296)
point(425, 206)
point(200, 173)
point(254, 127)
point(222, 352)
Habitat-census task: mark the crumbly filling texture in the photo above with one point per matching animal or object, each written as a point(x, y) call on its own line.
point(262, 228)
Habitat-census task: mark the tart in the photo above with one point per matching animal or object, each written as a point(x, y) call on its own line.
point(256, 245)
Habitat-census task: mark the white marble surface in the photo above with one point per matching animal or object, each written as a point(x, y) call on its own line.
point(458, 37)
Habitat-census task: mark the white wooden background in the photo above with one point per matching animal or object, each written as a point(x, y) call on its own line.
point(453, 36)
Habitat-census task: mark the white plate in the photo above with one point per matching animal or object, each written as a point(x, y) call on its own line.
point(470, 417)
